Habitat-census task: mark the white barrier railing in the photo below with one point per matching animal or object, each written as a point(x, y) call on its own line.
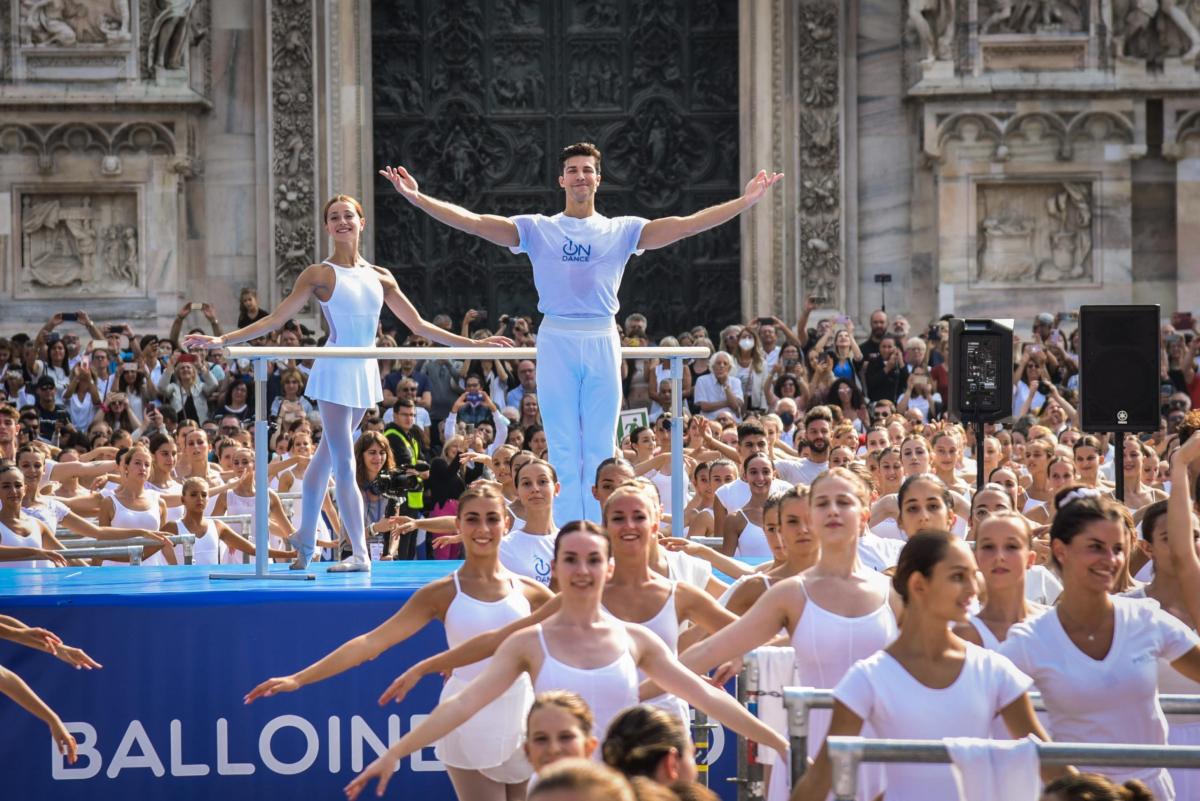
point(847, 753)
point(188, 541)
point(799, 701)
point(260, 355)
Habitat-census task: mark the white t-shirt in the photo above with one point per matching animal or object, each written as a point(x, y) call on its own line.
point(528, 554)
point(802, 471)
point(707, 390)
point(880, 691)
point(1113, 700)
point(688, 569)
point(736, 493)
point(578, 262)
point(1042, 586)
point(878, 553)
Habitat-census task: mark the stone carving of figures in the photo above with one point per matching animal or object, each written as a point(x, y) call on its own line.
point(169, 33)
point(1132, 17)
point(116, 29)
point(42, 23)
point(933, 21)
point(1032, 16)
point(129, 263)
point(1071, 244)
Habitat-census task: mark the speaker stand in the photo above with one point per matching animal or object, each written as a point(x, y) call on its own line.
point(1119, 464)
point(979, 477)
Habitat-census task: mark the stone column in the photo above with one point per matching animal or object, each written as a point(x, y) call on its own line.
point(346, 107)
point(1181, 143)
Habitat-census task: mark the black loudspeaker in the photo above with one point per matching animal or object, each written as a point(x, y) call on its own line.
point(981, 370)
point(1119, 368)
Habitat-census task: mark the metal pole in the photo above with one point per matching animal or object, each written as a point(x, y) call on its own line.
point(979, 477)
point(677, 476)
point(1119, 465)
point(798, 709)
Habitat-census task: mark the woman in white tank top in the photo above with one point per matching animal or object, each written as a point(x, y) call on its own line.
point(837, 612)
point(214, 539)
point(131, 505)
point(577, 648)
point(743, 533)
point(789, 513)
point(240, 500)
point(483, 755)
point(1004, 553)
point(194, 463)
point(24, 541)
point(928, 683)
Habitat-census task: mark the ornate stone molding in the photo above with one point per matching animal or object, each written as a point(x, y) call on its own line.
point(1005, 128)
point(291, 112)
point(819, 104)
point(108, 140)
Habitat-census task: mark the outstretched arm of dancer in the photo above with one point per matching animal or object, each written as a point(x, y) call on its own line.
point(669, 230)
point(505, 668)
point(427, 603)
point(657, 663)
point(476, 649)
point(40, 639)
point(1181, 525)
point(15, 688)
point(402, 307)
point(778, 608)
point(495, 229)
point(288, 308)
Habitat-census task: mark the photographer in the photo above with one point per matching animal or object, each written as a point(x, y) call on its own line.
point(373, 457)
point(52, 415)
point(405, 440)
point(885, 374)
point(180, 389)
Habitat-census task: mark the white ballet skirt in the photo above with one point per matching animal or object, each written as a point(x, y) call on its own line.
point(352, 313)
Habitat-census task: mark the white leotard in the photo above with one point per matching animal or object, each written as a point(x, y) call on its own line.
point(13, 539)
point(665, 624)
point(352, 313)
point(827, 645)
point(752, 542)
point(124, 517)
point(495, 733)
point(49, 510)
point(209, 549)
point(607, 690)
point(990, 640)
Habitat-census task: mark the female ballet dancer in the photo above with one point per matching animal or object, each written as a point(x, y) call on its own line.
point(928, 683)
point(214, 539)
point(577, 648)
point(1004, 553)
point(24, 541)
point(835, 613)
point(743, 535)
point(351, 292)
point(800, 547)
point(483, 753)
point(578, 259)
point(529, 549)
point(1093, 655)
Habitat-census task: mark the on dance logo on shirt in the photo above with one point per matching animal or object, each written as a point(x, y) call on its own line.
point(575, 252)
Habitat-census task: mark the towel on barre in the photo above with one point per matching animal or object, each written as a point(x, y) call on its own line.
point(776, 670)
point(995, 770)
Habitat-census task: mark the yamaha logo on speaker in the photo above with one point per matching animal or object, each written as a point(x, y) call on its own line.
point(1122, 417)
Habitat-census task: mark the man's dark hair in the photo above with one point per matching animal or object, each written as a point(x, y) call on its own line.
point(404, 403)
point(818, 413)
point(750, 430)
point(579, 149)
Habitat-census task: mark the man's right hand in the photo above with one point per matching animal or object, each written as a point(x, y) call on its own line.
point(402, 182)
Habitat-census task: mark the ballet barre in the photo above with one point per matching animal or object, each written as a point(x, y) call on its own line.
point(188, 541)
point(131, 552)
point(260, 356)
point(799, 701)
point(847, 753)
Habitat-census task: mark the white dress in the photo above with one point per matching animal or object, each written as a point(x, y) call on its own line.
point(884, 694)
point(1109, 700)
point(352, 313)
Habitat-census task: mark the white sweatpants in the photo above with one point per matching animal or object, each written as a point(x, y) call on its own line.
point(579, 392)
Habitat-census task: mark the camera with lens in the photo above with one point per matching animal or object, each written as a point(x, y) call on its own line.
point(396, 484)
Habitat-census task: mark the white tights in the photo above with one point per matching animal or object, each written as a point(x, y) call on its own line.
point(334, 455)
point(471, 785)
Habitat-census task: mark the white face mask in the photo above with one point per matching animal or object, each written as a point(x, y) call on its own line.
point(746, 344)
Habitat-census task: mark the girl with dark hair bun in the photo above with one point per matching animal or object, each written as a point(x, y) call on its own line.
point(644, 741)
point(1094, 787)
point(1093, 656)
point(929, 683)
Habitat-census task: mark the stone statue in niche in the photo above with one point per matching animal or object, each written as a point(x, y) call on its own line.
point(1032, 16)
point(933, 21)
point(59, 23)
point(78, 245)
point(170, 34)
point(1152, 29)
point(1035, 233)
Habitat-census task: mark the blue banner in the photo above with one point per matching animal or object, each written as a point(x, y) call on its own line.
point(164, 717)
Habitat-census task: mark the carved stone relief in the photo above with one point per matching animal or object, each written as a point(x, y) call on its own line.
point(292, 127)
point(59, 23)
point(933, 22)
point(170, 34)
point(1032, 16)
point(109, 141)
point(79, 244)
point(1153, 30)
point(819, 102)
point(1034, 233)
